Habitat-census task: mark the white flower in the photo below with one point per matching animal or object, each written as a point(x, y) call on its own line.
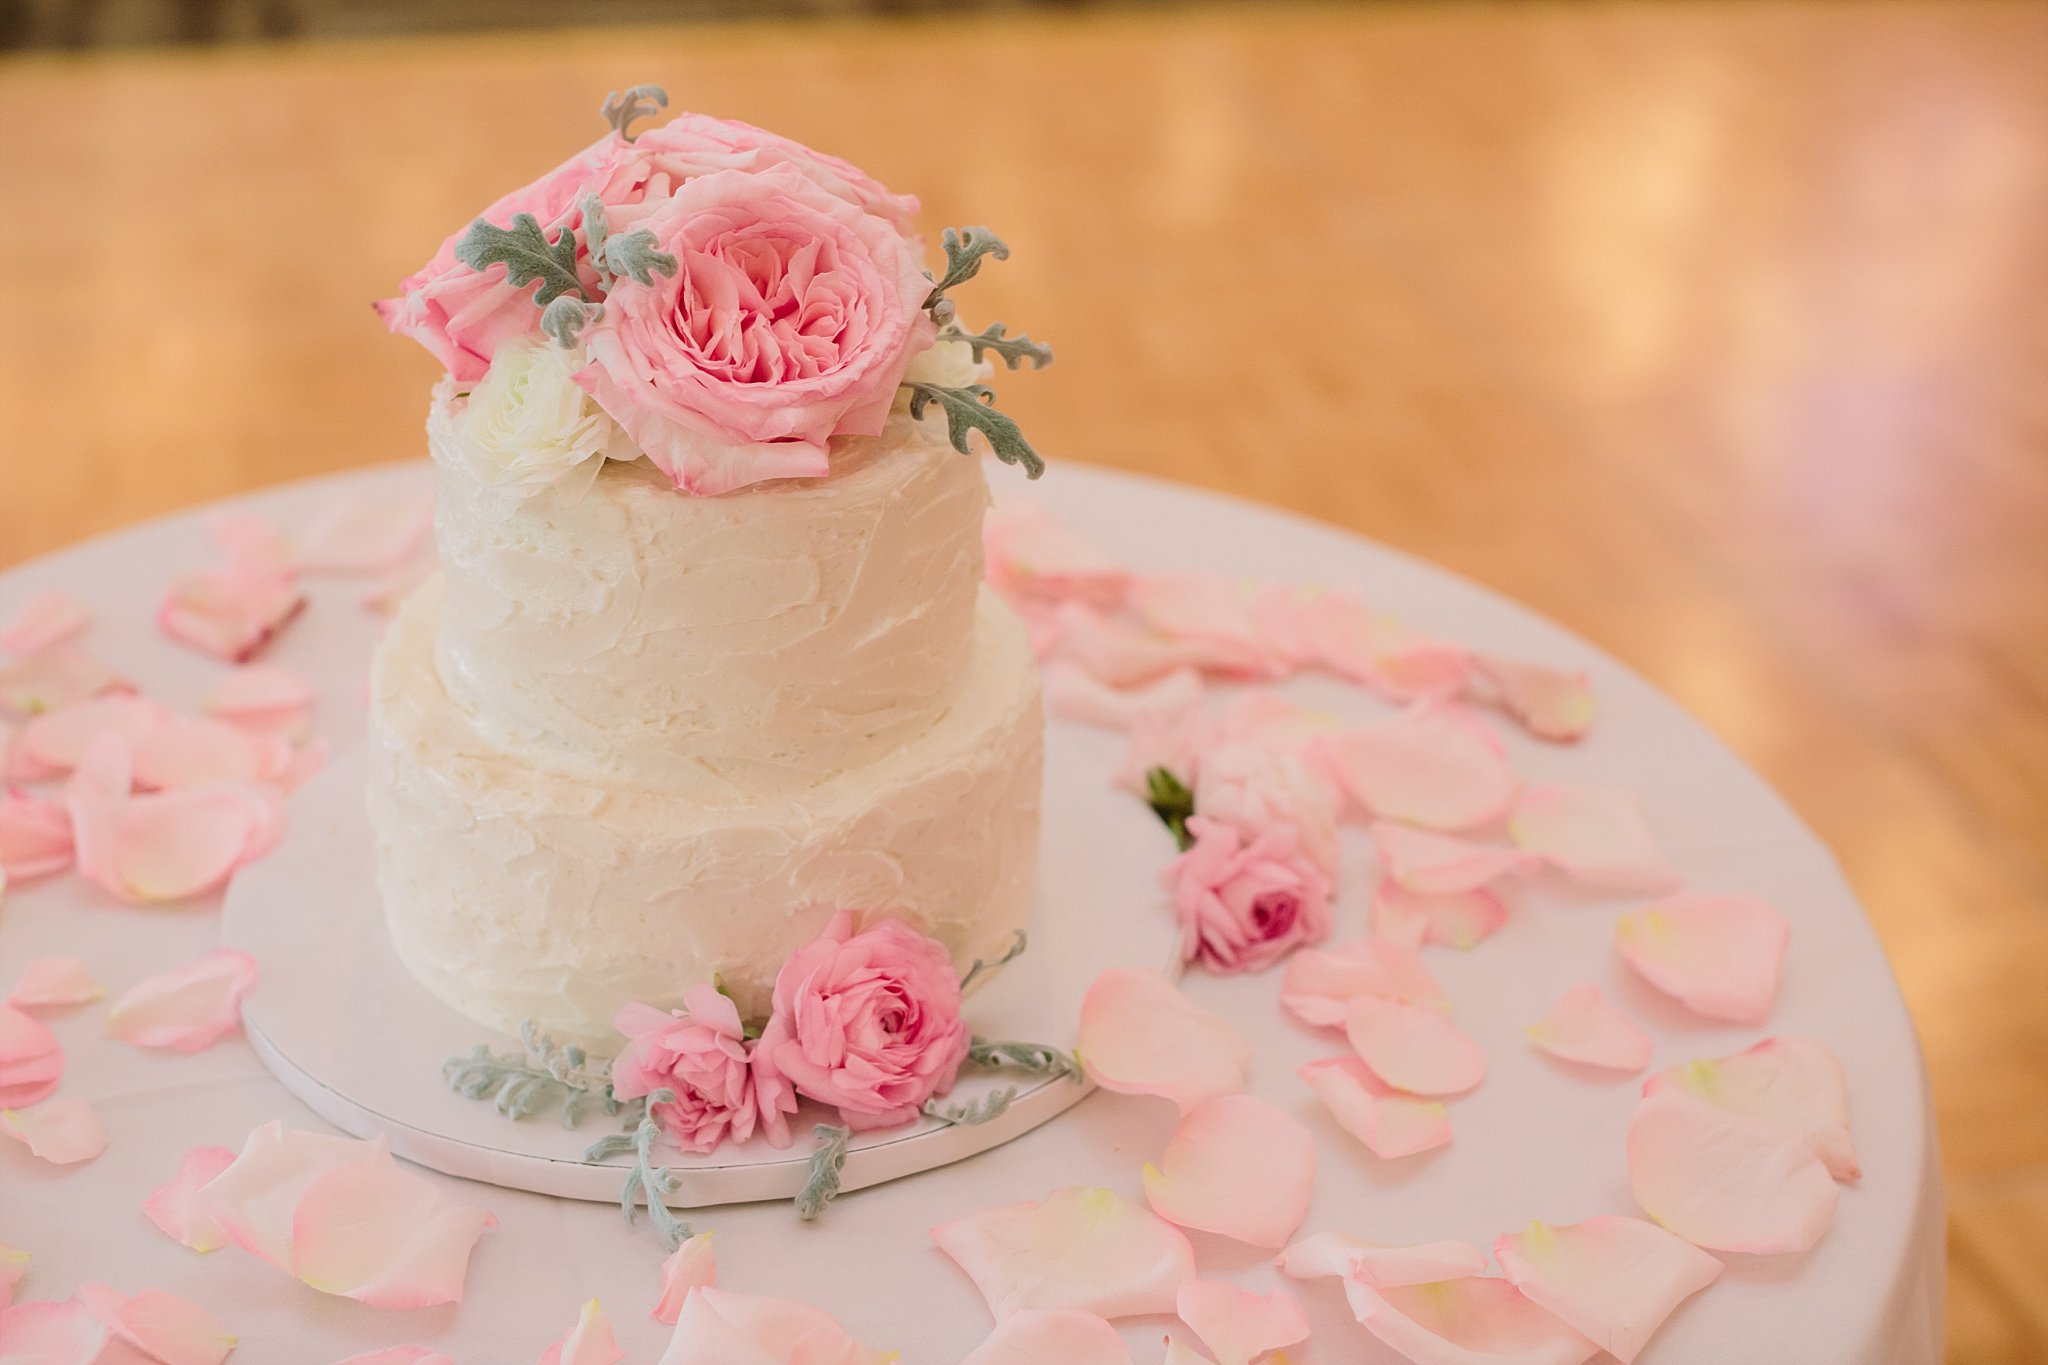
point(526, 424)
point(947, 364)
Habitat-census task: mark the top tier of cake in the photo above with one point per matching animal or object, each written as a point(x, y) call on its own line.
point(728, 647)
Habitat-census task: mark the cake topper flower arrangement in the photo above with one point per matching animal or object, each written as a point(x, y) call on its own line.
point(709, 295)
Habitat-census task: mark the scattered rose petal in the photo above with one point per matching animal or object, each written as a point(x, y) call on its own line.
point(1612, 1279)
point(1389, 1123)
point(56, 676)
point(54, 982)
point(1583, 1027)
point(1431, 765)
point(590, 1341)
point(169, 846)
point(13, 1264)
point(228, 615)
point(35, 836)
point(693, 1265)
point(62, 1131)
point(263, 697)
point(1236, 1166)
point(1413, 1047)
point(1724, 1181)
point(1550, 703)
point(1051, 1336)
point(1383, 1267)
point(1478, 1320)
point(1073, 692)
point(1238, 1326)
point(161, 1326)
point(30, 1059)
point(1432, 864)
point(1410, 667)
point(55, 742)
point(1212, 610)
point(1180, 1353)
point(1720, 955)
point(359, 534)
point(1595, 835)
point(718, 1327)
point(400, 1355)
point(1793, 1083)
point(1454, 921)
point(190, 751)
point(253, 546)
point(1119, 653)
point(189, 1008)
point(46, 618)
point(1078, 1248)
point(1140, 1036)
point(305, 763)
point(1032, 553)
point(1320, 983)
point(51, 1333)
point(175, 1207)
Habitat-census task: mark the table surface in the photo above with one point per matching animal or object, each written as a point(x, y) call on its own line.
point(1712, 331)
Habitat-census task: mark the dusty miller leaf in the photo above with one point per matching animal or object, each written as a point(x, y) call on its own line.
point(827, 1160)
point(1019, 941)
point(565, 319)
point(527, 255)
point(971, 409)
point(1036, 1058)
point(967, 1115)
point(641, 101)
point(964, 249)
point(1013, 349)
point(635, 257)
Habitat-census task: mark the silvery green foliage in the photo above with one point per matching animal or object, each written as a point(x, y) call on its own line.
point(1014, 350)
point(1019, 941)
point(538, 1078)
point(1173, 802)
point(566, 318)
point(596, 229)
point(828, 1158)
point(972, 409)
point(973, 1111)
point(1036, 1058)
point(642, 101)
point(645, 1182)
point(964, 249)
point(634, 256)
point(527, 255)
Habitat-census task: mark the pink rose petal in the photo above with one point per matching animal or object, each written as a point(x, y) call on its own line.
point(55, 742)
point(1432, 864)
point(30, 1059)
point(253, 546)
point(1413, 1047)
point(1454, 921)
point(1389, 1123)
point(44, 619)
point(400, 1355)
point(1792, 1083)
point(175, 1206)
point(1583, 1027)
point(54, 982)
point(718, 1327)
point(357, 534)
point(1071, 691)
point(252, 1201)
point(1431, 765)
point(45, 1333)
point(1078, 1248)
point(1614, 1280)
point(1121, 654)
point(228, 615)
point(174, 845)
point(1140, 1036)
point(590, 1341)
point(162, 1326)
point(1051, 1336)
point(1320, 983)
point(56, 676)
point(1032, 553)
point(1724, 1181)
point(379, 1233)
point(1382, 1267)
point(1477, 1320)
point(1225, 616)
point(1595, 835)
point(13, 1265)
point(1720, 955)
point(1238, 1326)
point(190, 751)
point(1237, 1166)
point(263, 697)
point(693, 1265)
point(187, 1009)
point(63, 1132)
point(1550, 703)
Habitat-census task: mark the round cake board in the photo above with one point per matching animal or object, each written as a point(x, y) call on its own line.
point(344, 1026)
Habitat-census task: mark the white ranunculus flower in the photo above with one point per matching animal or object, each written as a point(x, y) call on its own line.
point(948, 364)
point(526, 425)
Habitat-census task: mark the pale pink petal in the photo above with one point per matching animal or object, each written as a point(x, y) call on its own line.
point(1409, 667)
point(1793, 1083)
point(189, 1008)
point(63, 1132)
point(164, 1327)
point(718, 1327)
point(30, 1059)
point(1119, 653)
point(1594, 835)
point(1454, 921)
point(305, 763)
point(1238, 1326)
point(359, 534)
point(1051, 1336)
point(55, 742)
point(56, 676)
point(1389, 1123)
point(13, 1265)
point(400, 1355)
point(1550, 703)
point(227, 615)
point(1031, 553)
point(1071, 691)
point(53, 982)
point(381, 1234)
point(693, 1265)
point(1413, 1047)
point(1720, 955)
point(47, 1333)
point(191, 751)
point(47, 617)
point(175, 1206)
point(590, 1341)
point(1221, 613)
point(1236, 1166)
point(263, 697)
point(1583, 1027)
point(1140, 1036)
point(1320, 983)
point(1432, 864)
point(1431, 765)
point(105, 772)
point(1180, 1353)
point(253, 546)
point(1613, 1279)
point(253, 1200)
point(174, 845)
point(1478, 1320)
point(1088, 1249)
point(1383, 1267)
point(1724, 1181)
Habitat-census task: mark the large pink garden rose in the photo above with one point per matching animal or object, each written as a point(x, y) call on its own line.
point(1246, 901)
point(867, 1022)
point(789, 320)
point(700, 1052)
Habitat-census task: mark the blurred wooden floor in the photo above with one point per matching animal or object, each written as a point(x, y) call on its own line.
point(1715, 331)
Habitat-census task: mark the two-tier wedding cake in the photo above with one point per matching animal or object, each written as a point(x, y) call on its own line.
point(709, 658)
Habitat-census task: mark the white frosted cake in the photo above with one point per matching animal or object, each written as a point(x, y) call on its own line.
point(636, 736)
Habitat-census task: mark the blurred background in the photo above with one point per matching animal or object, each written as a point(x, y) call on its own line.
point(1712, 330)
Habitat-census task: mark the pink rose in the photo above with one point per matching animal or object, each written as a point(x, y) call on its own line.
point(700, 1052)
point(1245, 905)
point(867, 1022)
point(790, 319)
point(1256, 786)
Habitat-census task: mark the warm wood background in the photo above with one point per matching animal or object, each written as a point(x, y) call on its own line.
point(1716, 331)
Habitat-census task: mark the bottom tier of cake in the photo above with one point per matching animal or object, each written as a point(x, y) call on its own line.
point(514, 893)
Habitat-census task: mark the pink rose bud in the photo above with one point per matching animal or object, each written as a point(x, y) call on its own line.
point(1245, 904)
